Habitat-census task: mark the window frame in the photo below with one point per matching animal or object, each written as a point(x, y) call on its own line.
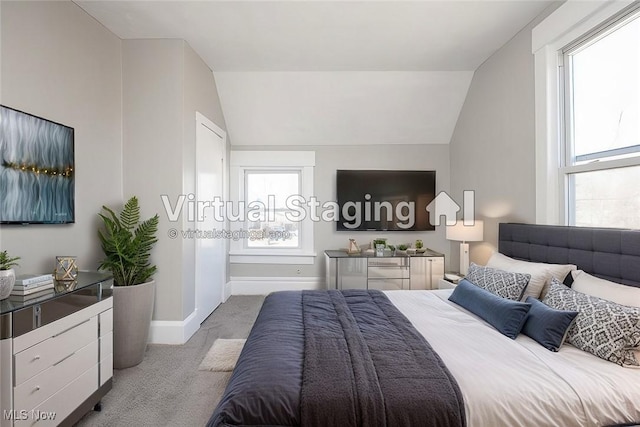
point(243, 162)
point(570, 165)
point(569, 24)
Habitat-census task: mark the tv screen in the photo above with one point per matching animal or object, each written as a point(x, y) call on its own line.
point(36, 170)
point(384, 200)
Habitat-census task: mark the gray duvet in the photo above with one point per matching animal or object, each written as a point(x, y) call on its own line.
point(337, 358)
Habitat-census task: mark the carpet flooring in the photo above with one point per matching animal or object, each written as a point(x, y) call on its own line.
point(167, 389)
point(223, 355)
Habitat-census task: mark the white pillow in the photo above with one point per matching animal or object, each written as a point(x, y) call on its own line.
point(596, 287)
point(604, 328)
point(541, 273)
point(601, 288)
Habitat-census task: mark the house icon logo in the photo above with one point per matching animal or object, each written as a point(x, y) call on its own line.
point(443, 205)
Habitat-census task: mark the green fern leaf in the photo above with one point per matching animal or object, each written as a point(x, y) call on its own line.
point(130, 215)
point(127, 244)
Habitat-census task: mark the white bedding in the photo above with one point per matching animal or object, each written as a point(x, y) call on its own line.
point(518, 382)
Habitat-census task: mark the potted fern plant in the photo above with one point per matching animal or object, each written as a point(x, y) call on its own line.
point(7, 274)
point(127, 243)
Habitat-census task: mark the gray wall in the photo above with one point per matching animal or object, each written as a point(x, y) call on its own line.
point(331, 158)
point(152, 136)
point(200, 94)
point(59, 63)
point(165, 83)
point(493, 144)
point(132, 104)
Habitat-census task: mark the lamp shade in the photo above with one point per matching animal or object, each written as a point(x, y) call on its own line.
point(466, 233)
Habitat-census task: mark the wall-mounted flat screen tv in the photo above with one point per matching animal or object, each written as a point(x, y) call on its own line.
point(384, 200)
point(37, 178)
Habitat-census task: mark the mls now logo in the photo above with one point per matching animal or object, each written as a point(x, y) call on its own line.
point(444, 205)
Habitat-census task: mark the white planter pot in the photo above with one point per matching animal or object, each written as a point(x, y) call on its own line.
point(132, 311)
point(7, 280)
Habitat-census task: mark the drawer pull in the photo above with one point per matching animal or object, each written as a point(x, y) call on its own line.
point(37, 388)
point(68, 329)
point(36, 357)
point(62, 360)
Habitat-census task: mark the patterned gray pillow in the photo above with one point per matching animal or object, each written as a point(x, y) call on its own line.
point(610, 331)
point(499, 282)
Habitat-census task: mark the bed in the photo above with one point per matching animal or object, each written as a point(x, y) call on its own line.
point(436, 363)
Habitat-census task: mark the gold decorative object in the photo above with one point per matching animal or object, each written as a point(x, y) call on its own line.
point(353, 247)
point(66, 269)
point(64, 286)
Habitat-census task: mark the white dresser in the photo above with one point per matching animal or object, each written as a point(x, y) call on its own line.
point(56, 355)
point(388, 272)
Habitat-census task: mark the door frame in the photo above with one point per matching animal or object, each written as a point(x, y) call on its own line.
point(202, 120)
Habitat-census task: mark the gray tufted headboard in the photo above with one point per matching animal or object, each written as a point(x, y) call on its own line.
point(609, 253)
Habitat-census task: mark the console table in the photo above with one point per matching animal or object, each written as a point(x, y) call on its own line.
point(56, 353)
point(388, 272)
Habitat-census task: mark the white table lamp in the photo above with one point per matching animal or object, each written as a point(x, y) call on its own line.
point(465, 233)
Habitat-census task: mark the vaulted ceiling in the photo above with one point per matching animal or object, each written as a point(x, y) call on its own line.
point(332, 72)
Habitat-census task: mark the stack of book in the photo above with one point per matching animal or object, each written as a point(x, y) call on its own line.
point(32, 286)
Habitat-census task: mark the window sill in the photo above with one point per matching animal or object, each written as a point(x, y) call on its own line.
point(273, 256)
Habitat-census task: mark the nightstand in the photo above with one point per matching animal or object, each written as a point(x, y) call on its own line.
point(445, 284)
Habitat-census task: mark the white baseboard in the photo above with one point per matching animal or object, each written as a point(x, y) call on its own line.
point(227, 292)
point(266, 285)
point(179, 331)
point(173, 331)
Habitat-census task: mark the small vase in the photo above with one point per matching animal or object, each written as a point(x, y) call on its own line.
point(7, 280)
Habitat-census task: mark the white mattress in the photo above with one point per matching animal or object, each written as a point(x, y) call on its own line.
point(518, 382)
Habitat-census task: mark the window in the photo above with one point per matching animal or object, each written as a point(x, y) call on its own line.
point(267, 227)
point(601, 118)
point(273, 228)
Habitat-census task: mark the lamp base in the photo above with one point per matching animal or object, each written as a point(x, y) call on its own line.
point(464, 258)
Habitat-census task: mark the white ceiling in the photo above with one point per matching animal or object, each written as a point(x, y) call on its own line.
point(342, 108)
point(263, 45)
point(325, 35)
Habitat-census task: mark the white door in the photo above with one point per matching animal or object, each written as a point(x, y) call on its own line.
point(210, 260)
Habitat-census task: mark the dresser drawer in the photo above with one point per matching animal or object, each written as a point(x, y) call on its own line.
point(106, 369)
point(64, 402)
point(388, 262)
point(36, 390)
point(106, 322)
point(41, 356)
point(388, 284)
point(106, 345)
point(106, 357)
point(388, 272)
point(32, 337)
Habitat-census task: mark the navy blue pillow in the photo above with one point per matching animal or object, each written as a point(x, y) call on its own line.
point(547, 325)
point(506, 315)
